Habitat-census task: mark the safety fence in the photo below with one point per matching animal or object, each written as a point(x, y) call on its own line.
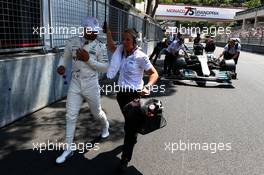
point(47, 24)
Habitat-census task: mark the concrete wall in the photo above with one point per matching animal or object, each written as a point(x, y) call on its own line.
point(247, 47)
point(30, 82)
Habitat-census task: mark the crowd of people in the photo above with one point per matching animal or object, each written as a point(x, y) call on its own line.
point(249, 34)
point(257, 32)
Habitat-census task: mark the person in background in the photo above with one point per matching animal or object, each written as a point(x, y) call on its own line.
point(156, 52)
point(231, 51)
point(197, 46)
point(197, 39)
point(172, 53)
point(209, 45)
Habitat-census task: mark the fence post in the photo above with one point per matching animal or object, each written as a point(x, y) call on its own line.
point(93, 7)
point(261, 38)
point(50, 24)
point(96, 9)
point(248, 38)
point(118, 26)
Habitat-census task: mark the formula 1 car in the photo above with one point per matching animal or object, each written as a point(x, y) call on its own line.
point(203, 69)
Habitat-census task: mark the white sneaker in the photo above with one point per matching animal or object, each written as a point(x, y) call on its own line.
point(65, 155)
point(105, 132)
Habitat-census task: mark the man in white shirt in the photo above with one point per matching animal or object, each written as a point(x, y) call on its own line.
point(231, 51)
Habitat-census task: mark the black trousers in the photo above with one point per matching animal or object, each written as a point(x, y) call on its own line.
point(155, 53)
point(228, 56)
point(169, 63)
point(131, 124)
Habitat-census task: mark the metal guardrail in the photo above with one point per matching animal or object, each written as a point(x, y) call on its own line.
point(67, 13)
point(250, 10)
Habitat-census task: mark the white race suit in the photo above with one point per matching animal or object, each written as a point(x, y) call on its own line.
point(84, 83)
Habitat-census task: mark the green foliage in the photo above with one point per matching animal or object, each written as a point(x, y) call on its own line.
point(252, 3)
point(219, 3)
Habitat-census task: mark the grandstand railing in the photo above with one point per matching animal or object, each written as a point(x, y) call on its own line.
point(246, 40)
point(250, 10)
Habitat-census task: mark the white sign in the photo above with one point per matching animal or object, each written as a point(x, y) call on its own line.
point(196, 12)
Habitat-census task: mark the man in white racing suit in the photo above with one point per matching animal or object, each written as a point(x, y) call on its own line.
point(88, 57)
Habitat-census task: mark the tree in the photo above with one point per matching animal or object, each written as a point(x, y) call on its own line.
point(149, 7)
point(215, 3)
point(155, 8)
point(252, 3)
point(152, 6)
point(133, 2)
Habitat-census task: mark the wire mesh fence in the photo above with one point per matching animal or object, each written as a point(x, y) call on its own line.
point(17, 18)
point(65, 19)
point(60, 20)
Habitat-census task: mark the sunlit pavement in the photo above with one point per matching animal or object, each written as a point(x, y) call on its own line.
point(230, 116)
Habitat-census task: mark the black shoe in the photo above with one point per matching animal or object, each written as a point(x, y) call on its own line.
point(121, 169)
point(234, 76)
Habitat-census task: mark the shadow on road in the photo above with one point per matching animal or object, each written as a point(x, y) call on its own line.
point(49, 124)
point(32, 162)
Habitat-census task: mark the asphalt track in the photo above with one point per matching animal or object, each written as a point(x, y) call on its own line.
point(229, 120)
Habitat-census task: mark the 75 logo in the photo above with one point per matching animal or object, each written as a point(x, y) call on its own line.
point(189, 11)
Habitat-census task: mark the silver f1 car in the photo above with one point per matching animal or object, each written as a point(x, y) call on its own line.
point(203, 69)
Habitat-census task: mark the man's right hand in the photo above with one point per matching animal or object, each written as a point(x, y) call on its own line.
point(61, 70)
